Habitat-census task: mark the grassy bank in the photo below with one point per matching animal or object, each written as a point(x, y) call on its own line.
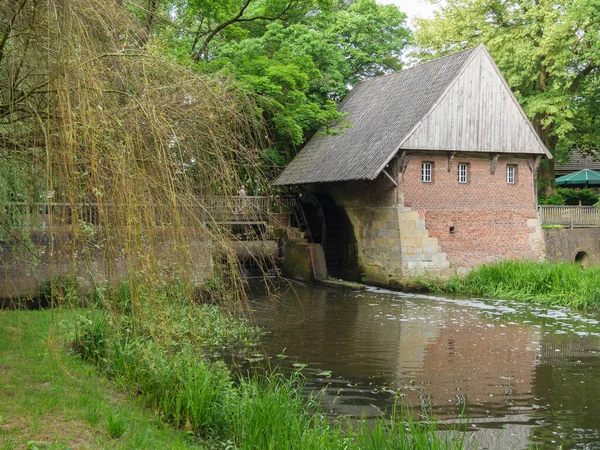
point(51, 399)
point(154, 382)
point(188, 391)
point(559, 284)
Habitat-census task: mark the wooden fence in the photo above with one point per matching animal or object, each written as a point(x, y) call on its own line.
point(208, 209)
point(570, 216)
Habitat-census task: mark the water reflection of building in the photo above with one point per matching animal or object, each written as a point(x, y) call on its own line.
point(513, 378)
point(444, 355)
point(467, 360)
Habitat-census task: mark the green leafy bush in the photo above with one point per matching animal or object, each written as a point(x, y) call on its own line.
point(574, 196)
point(569, 196)
point(554, 199)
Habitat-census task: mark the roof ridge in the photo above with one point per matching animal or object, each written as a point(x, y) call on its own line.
point(417, 66)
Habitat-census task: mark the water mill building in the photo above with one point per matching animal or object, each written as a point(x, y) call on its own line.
point(436, 175)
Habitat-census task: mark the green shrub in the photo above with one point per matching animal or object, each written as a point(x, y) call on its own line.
point(62, 290)
point(587, 197)
point(554, 199)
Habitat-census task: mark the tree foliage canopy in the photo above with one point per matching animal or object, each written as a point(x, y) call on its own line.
point(296, 57)
point(549, 52)
point(91, 115)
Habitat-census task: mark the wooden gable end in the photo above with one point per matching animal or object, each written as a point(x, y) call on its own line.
point(478, 113)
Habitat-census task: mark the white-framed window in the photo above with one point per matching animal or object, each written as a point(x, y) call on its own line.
point(426, 172)
point(511, 174)
point(463, 170)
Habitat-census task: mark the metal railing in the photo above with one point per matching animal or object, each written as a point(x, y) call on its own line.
point(570, 216)
point(206, 209)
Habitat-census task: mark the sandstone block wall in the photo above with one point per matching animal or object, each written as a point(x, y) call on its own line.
point(393, 243)
point(421, 252)
point(378, 241)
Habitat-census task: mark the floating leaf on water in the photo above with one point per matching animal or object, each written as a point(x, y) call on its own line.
point(325, 373)
point(299, 366)
point(282, 356)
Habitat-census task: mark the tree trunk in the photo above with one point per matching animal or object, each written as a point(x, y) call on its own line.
point(546, 183)
point(546, 176)
point(145, 35)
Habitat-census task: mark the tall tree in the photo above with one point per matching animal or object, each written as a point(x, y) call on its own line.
point(549, 52)
point(296, 57)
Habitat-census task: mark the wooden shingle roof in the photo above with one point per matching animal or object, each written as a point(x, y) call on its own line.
point(383, 112)
point(578, 161)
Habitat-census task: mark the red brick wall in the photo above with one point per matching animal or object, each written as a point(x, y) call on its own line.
point(489, 216)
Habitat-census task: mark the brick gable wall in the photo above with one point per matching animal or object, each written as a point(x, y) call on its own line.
point(492, 219)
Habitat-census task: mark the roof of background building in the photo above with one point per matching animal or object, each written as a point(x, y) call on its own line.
point(578, 161)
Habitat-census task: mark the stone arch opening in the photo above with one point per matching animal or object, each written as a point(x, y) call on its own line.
point(330, 227)
point(581, 257)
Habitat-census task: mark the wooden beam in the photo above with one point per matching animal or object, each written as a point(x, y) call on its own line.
point(402, 161)
point(451, 156)
point(385, 172)
point(494, 163)
point(535, 164)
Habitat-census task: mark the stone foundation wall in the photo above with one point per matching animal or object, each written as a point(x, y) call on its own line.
point(393, 244)
point(563, 245)
point(303, 261)
point(378, 242)
point(422, 253)
point(23, 274)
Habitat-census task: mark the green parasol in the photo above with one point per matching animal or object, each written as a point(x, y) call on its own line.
point(585, 177)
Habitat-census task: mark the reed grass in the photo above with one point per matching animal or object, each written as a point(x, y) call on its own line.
point(547, 283)
point(265, 411)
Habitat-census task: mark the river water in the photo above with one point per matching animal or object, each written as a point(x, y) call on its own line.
point(522, 373)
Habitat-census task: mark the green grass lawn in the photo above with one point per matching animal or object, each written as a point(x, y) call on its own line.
point(50, 399)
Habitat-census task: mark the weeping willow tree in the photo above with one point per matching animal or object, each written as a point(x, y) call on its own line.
point(90, 115)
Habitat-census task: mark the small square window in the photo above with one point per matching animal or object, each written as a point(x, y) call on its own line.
point(511, 174)
point(427, 172)
point(463, 173)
